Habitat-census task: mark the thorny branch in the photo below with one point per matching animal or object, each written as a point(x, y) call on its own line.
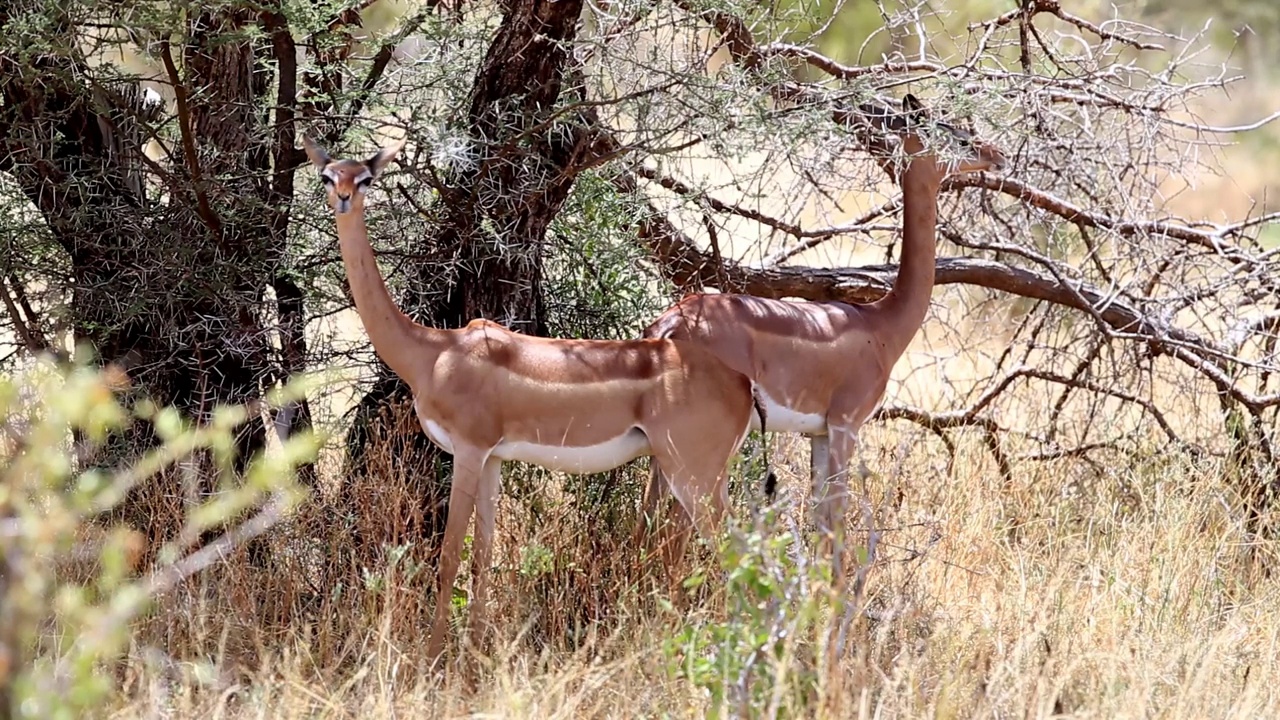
point(1054, 7)
point(207, 215)
point(26, 327)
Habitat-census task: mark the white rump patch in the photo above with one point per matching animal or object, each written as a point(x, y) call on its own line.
point(780, 418)
point(581, 459)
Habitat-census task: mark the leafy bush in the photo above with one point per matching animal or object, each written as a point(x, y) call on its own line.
point(60, 627)
point(761, 658)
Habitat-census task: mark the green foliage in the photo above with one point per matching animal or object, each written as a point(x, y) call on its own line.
point(1262, 17)
point(856, 33)
point(748, 469)
point(57, 631)
point(1269, 236)
point(759, 660)
point(595, 286)
point(535, 560)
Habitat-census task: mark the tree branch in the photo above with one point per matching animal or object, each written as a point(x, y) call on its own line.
point(1054, 8)
point(30, 335)
point(205, 210)
point(937, 422)
point(285, 154)
point(1211, 240)
point(846, 72)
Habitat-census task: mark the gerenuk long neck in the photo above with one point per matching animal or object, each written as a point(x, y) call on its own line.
point(396, 338)
point(903, 309)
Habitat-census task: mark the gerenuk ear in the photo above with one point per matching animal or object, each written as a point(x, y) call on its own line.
point(913, 108)
point(315, 153)
point(383, 158)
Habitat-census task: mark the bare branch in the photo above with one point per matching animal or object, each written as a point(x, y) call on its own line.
point(1054, 7)
point(846, 72)
point(1213, 240)
point(30, 335)
point(938, 422)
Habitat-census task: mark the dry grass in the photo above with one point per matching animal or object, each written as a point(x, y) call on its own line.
point(1133, 592)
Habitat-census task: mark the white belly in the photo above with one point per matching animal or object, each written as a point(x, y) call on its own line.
point(581, 459)
point(780, 418)
point(438, 435)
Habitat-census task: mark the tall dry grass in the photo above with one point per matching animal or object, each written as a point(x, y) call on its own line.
point(1071, 591)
